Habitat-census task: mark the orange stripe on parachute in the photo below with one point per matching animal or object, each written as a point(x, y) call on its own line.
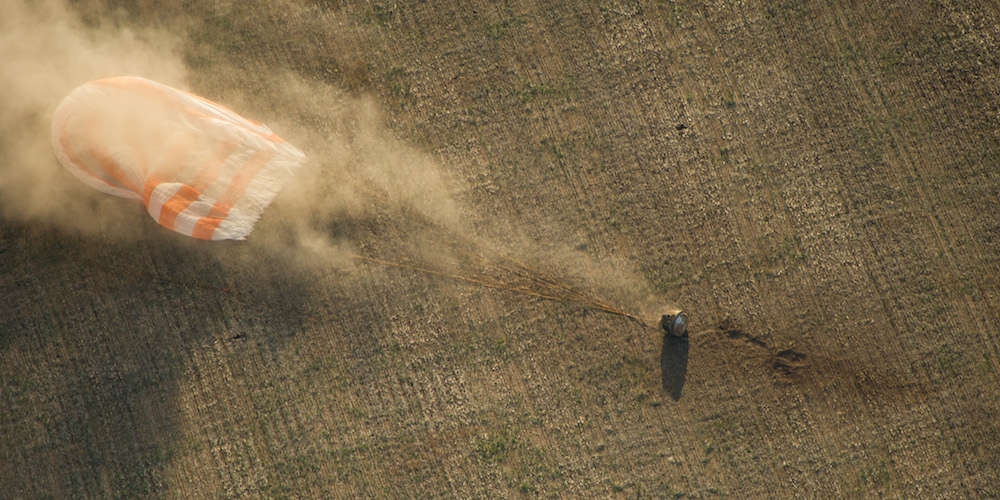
point(151, 182)
point(81, 164)
point(197, 166)
point(102, 159)
point(173, 161)
point(110, 165)
point(191, 191)
point(206, 226)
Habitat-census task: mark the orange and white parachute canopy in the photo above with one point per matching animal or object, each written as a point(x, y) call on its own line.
point(200, 169)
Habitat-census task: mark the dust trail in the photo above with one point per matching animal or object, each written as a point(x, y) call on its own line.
point(408, 217)
point(364, 196)
point(545, 288)
point(45, 52)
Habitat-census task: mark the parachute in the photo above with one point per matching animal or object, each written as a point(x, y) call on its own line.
point(199, 168)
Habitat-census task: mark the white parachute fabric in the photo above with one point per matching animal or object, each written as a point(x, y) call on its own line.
point(200, 169)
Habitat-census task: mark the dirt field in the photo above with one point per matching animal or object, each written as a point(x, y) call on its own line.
point(816, 182)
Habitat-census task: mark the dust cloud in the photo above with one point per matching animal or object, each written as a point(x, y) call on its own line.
point(363, 191)
point(401, 197)
point(359, 178)
point(366, 193)
point(45, 52)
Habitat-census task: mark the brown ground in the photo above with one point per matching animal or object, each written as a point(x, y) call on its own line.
point(816, 182)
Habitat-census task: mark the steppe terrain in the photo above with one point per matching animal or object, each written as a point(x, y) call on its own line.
point(815, 182)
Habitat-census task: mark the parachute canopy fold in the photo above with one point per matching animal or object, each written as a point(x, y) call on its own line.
point(199, 168)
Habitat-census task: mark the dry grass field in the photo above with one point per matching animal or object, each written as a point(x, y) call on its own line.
point(815, 182)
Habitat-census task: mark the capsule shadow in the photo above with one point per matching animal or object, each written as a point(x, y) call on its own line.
point(674, 362)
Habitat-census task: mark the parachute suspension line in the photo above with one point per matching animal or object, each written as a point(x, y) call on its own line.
point(458, 277)
point(548, 280)
point(552, 289)
point(572, 294)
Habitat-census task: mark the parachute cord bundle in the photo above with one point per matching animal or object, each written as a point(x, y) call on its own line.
point(535, 283)
point(545, 286)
